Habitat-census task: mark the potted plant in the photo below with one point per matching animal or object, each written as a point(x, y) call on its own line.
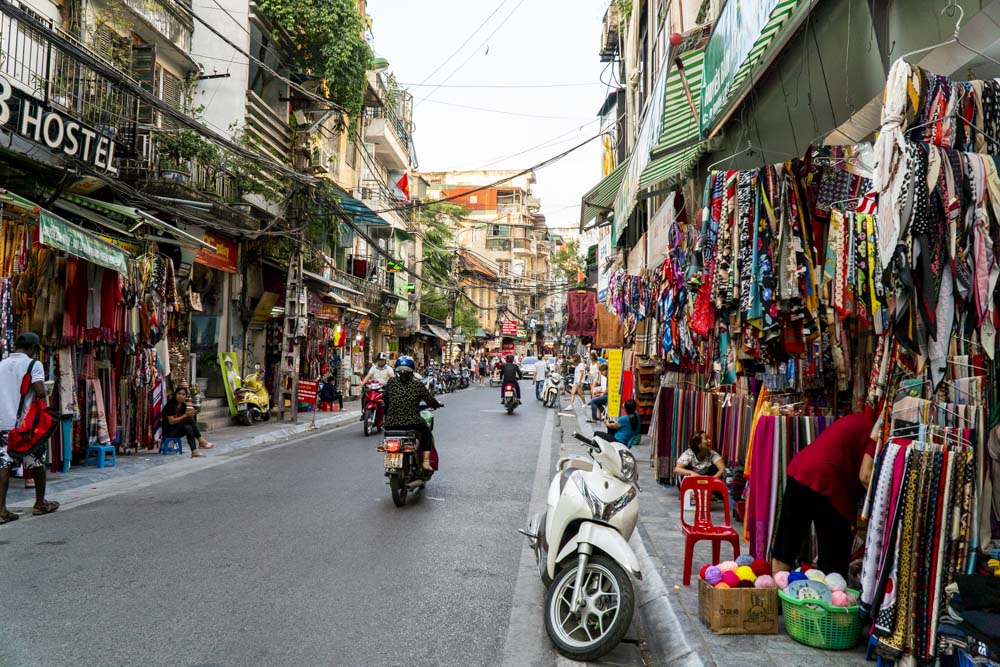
point(177, 148)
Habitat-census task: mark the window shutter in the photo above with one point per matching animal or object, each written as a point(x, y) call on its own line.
point(171, 94)
point(144, 69)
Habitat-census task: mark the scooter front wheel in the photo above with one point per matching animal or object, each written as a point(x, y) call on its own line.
point(369, 422)
point(609, 602)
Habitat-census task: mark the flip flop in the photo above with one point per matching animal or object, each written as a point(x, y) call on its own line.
point(48, 507)
point(8, 517)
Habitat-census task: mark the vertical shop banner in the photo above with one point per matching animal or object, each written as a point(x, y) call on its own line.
point(224, 257)
point(740, 37)
point(658, 236)
point(230, 377)
point(603, 252)
point(614, 382)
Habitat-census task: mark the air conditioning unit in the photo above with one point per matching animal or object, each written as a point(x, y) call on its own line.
point(610, 33)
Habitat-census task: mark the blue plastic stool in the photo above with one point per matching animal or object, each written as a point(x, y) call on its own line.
point(171, 446)
point(98, 455)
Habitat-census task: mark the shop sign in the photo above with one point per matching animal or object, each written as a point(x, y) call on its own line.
point(26, 116)
point(224, 257)
point(614, 382)
point(658, 236)
point(130, 248)
point(736, 32)
point(509, 328)
point(307, 391)
point(603, 252)
point(69, 238)
point(327, 312)
point(363, 324)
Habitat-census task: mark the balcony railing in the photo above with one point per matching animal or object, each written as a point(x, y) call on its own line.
point(49, 73)
point(371, 291)
point(498, 244)
point(168, 18)
point(392, 121)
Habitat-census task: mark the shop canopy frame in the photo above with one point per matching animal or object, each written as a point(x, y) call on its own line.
point(114, 215)
point(601, 198)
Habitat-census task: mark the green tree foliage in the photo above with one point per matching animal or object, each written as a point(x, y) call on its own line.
point(434, 303)
point(569, 263)
point(329, 44)
point(439, 222)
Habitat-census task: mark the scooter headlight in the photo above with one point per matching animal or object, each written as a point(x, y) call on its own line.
point(629, 471)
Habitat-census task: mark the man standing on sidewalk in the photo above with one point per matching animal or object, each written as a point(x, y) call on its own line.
point(12, 372)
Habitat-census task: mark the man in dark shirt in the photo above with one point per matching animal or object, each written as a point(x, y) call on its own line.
point(403, 396)
point(510, 373)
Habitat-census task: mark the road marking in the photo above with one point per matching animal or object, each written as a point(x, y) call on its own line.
point(526, 639)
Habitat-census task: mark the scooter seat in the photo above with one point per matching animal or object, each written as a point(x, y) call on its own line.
point(401, 434)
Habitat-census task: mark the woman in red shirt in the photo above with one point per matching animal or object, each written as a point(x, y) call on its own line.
point(826, 481)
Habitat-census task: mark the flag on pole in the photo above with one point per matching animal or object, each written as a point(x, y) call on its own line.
point(404, 186)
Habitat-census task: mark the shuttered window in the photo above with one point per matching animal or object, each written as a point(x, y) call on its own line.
point(171, 94)
point(144, 70)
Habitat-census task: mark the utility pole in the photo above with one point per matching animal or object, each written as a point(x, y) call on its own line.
point(293, 332)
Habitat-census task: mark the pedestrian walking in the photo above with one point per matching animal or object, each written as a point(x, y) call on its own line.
point(593, 372)
point(482, 370)
point(579, 377)
point(179, 421)
point(14, 371)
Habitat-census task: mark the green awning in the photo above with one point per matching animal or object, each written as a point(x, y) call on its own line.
point(779, 15)
point(129, 215)
point(674, 164)
point(601, 197)
point(678, 145)
point(77, 241)
point(8, 197)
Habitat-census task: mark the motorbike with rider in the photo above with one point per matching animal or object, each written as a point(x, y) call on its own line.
point(403, 397)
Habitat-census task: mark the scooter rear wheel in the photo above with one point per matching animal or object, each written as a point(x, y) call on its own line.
point(399, 491)
point(246, 418)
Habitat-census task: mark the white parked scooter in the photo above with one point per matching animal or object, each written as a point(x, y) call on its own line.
point(581, 546)
point(551, 388)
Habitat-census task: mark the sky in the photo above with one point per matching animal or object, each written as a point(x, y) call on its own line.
point(526, 42)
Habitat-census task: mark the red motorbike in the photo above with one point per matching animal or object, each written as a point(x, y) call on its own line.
point(374, 412)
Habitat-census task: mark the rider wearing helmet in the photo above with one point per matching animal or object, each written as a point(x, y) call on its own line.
point(380, 372)
point(510, 372)
point(403, 395)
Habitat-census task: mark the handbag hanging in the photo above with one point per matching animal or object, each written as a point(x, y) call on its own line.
point(32, 433)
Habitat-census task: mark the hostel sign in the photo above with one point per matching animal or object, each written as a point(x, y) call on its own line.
point(24, 115)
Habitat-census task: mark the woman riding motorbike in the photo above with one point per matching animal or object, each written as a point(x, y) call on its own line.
point(403, 396)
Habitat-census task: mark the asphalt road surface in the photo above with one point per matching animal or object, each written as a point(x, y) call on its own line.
point(291, 555)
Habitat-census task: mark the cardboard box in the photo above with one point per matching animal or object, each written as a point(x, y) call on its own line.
point(738, 611)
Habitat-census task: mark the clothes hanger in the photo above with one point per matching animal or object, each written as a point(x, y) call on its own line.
point(955, 37)
point(736, 154)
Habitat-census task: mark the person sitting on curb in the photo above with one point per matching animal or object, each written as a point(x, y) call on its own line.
point(625, 427)
point(179, 422)
point(699, 458)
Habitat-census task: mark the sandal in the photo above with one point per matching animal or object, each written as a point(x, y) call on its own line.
point(8, 517)
point(48, 507)
point(207, 445)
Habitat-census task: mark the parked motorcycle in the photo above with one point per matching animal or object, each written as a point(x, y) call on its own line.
point(581, 547)
point(464, 379)
point(374, 407)
point(252, 400)
point(552, 387)
point(510, 399)
point(429, 381)
point(403, 467)
point(495, 378)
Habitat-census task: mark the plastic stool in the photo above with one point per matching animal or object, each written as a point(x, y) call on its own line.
point(171, 446)
point(96, 456)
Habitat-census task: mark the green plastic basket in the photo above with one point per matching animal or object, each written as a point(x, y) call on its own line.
point(817, 624)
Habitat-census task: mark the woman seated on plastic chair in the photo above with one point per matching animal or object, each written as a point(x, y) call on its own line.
point(625, 428)
point(699, 458)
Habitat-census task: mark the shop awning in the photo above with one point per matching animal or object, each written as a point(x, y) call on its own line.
point(439, 332)
point(8, 197)
point(424, 332)
point(480, 333)
point(679, 143)
point(130, 215)
point(56, 232)
point(360, 213)
point(601, 197)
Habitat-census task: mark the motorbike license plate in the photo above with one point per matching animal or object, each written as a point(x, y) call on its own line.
point(393, 461)
point(242, 407)
point(508, 394)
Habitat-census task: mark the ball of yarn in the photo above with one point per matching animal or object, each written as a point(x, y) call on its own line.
point(760, 566)
point(806, 567)
point(728, 566)
point(836, 582)
point(745, 583)
point(745, 573)
point(796, 576)
point(730, 579)
point(701, 572)
point(838, 599)
point(722, 584)
point(744, 559)
point(712, 575)
point(993, 564)
point(814, 574)
point(764, 581)
point(781, 579)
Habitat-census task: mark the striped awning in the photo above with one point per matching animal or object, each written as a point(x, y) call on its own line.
point(779, 15)
point(679, 142)
point(601, 197)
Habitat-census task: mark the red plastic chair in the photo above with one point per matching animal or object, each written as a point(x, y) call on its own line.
point(703, 528)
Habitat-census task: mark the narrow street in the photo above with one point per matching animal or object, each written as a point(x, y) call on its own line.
point(291, 555)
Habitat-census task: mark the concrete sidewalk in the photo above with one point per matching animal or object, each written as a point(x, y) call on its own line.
point(83, 482)
point(674, 634)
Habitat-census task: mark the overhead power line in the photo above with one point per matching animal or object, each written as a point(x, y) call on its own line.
point(505, 86)
point(462, 45)
point(489, 110)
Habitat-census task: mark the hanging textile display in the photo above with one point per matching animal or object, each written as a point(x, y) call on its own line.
point(580, 307)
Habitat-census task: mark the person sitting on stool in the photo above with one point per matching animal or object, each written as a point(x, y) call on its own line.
point(329, 393)
point(825, 482)
point(624, 428)
point(599, 394)
point(179, 422)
